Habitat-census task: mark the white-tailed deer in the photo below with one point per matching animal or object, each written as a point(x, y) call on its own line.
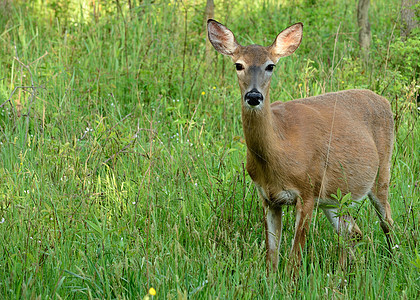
point(302, 151)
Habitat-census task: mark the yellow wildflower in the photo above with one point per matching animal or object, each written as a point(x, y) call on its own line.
point(152, 292)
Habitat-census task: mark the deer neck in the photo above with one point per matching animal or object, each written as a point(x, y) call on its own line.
point(260, 135)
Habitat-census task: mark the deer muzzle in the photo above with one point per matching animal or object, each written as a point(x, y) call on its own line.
point(253, 97)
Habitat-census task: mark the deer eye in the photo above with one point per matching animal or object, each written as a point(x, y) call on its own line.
point(270, 67)
point(239, 67)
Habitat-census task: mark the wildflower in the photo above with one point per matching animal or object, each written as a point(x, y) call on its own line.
point(299, 85)
point(214, 88)
point(203, 93)
point(152, 292)
point(2, 220)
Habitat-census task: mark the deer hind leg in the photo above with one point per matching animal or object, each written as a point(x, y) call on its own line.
point(379, 198)
point(304, 210)
point(273, 230)
point(346, 227)
point(383, 210)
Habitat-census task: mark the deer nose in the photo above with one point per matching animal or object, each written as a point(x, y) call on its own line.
point(254, 97)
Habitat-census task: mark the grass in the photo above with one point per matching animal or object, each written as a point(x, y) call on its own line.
point(122, 153)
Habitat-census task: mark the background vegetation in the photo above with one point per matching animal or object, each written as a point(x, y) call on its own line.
point(122, 157)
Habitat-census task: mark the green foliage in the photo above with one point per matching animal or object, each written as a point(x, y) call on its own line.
point(122, 157)
point(344, 200)
point(406, 56)
point(416, 261)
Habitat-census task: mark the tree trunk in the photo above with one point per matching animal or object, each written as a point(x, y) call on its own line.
point(209, 14)
point(409, 20)
point(364, 26)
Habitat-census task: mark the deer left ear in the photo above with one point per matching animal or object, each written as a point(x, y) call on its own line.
point(221, 38)
point(287, 41)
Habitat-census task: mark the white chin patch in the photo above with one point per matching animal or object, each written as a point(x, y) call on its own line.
point(254, 107)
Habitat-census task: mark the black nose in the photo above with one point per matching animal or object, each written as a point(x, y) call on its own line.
point(254, 97)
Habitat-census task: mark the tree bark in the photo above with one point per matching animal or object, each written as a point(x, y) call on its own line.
point(409, 20)
point(209, 14)
point(364, 26)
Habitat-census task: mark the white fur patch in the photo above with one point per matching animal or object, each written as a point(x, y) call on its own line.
point(331, 214)
point(298, 216)
point(274, 229)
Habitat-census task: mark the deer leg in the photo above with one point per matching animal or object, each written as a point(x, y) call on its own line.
point(379, 198)
point(343, 225)
point(304, 210)
point(346, 227)
point(273, 230)
point(383, 210)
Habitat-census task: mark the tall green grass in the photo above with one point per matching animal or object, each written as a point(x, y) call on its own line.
point(122, 167)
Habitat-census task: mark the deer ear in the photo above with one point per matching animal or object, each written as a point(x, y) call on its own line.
point(221, 38)
point(287, 41)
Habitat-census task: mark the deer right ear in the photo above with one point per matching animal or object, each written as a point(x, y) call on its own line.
point(221, 38)
point(287, 41)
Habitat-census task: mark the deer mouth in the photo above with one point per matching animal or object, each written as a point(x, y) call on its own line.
point(253, 98)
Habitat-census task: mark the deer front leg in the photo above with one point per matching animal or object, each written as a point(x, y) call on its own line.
point(304, 209)
point(273, 229)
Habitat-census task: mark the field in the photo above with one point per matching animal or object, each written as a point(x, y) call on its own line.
point(122, 158)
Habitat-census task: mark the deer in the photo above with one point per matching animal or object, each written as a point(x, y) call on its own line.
point(300, 152)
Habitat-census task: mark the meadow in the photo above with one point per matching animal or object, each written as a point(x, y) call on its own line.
point(122, 159)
